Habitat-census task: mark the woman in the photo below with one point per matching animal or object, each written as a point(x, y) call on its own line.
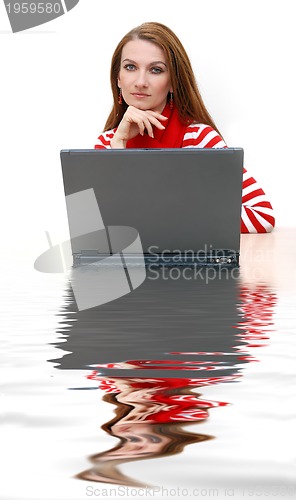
point(157, 105)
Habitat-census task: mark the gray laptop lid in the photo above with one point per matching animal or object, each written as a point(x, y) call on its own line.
point(177, 199)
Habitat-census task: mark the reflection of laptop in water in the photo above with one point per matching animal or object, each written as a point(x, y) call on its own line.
point(184, 203)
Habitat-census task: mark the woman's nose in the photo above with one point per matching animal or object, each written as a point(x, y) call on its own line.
point(141, 80)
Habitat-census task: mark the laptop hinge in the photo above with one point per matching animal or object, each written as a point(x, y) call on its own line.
point(215, 258)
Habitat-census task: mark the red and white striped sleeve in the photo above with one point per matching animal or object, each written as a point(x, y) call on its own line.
point(104, 140)
point(257, 212)
point(198, 135)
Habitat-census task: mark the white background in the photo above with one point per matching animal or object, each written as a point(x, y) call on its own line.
point(55, 94)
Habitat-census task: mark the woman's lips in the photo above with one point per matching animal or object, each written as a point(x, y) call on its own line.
point(139, 95)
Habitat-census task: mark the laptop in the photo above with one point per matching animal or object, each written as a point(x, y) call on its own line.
point(168, 206)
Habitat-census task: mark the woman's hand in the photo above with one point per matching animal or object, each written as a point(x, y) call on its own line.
point(135, 121)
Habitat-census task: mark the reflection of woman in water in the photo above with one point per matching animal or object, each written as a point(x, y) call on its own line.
point(157, 104)
point(152, 413)
point(149, 415)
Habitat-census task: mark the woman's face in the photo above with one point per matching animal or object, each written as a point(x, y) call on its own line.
point(144, 75)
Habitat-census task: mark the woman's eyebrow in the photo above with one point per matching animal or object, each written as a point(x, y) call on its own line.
point(130, 60)
point(157, 62)
point(150, 64)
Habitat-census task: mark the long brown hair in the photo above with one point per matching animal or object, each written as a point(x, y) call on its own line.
point(187, 98)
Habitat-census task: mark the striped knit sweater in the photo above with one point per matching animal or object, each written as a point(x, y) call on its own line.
point(257, 212)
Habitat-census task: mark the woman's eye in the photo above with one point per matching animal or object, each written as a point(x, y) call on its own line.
point(133, 439)
point(129, 67)
point(152, 437)
point(156, 70)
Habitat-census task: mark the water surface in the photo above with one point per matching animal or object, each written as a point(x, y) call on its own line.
point(179, 384)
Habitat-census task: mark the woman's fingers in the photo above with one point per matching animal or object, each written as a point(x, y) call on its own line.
point(137, 116)
point(147, 121)
point(136, 121)
point(155, 120)
point(148, 127)
point(157, 115)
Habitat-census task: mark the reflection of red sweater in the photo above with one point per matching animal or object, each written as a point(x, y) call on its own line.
point(161, 397)
point(165, 398)
point(257, 213)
